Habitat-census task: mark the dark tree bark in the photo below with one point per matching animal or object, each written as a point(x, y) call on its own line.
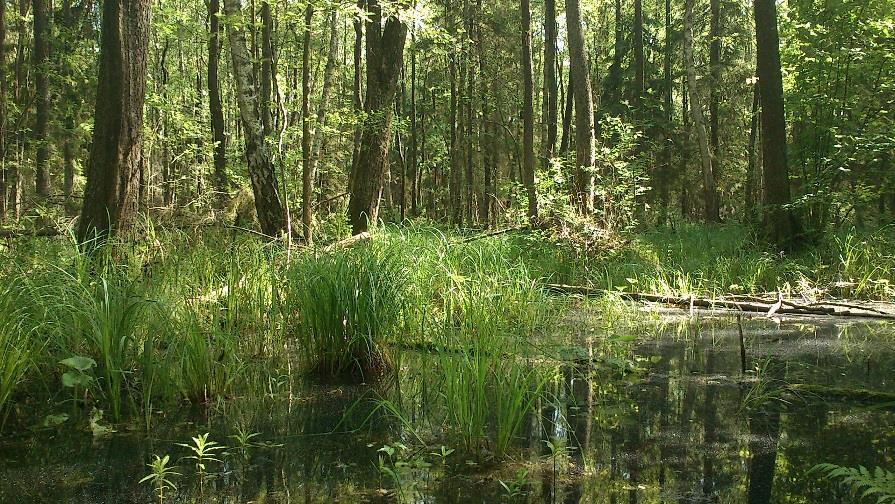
point(116, 157)
point(215, 104)
point(567, 117)
point(612, 85)
point(307, 179)
point(385, 56)
point(41, 57)
point(528, 120)
point(584, 111)
point(551, 103)
point(261, 169)
point(780, 224)
point(414, 140)
point(456, 174)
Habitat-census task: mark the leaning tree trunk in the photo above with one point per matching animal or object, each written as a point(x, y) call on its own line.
point(385, 58)
point(584, 111)
point(42, 95)
point(116, 157)
point(261, 169)
point(780, 223)
point(215, 105)
point(710, 193)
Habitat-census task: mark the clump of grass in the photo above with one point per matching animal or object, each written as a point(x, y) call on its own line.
point(16, 347)
point(344, 308)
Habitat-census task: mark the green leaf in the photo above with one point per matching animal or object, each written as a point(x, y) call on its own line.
point(80, 363)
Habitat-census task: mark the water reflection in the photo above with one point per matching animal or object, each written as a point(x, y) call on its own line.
point(684, 424)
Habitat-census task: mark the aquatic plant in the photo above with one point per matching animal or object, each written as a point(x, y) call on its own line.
point(877, 484)
point(160, 476)
point(344, 307)
point(203, 452)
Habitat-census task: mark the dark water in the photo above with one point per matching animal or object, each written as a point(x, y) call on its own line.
point(671, 417)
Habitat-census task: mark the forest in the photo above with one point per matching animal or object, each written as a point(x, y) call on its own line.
point(426, 251)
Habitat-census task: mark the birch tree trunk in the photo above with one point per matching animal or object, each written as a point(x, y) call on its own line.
point(261, 169)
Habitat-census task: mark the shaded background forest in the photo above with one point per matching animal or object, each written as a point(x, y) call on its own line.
point(457, 154)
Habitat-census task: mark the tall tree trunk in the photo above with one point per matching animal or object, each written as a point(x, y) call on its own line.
point(116, 156)
point(357, 88)
point(215, 105)
point(414, 140)
point(4, 182)
point(751, 156)
point(385, 56)
point(41, 56)
point(567, 116)
point(266, 87)
point(715, 83)
point(528, 120)
point(261, 169)
point(780, 223)
point(584, 111)
point(664, 180)
point(612, 85)
point(551, 104)
point(710, 197)
point(456, 175)
point(319, 134)
point(638, 59)
point(307, 179)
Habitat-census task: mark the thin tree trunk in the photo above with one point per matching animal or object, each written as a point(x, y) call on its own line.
point(584, 111)
point(116, 157)
point(414, 141)
point(4, 182)
point(215, 105)
point(780, 223)
point(751, 155)
point(266, 88)
point(568, 110)
point(456, 174)
point(261, 169)
point(551, 105)
point(710, 198)
point(715, 83)
point(41, 57)
point(308, 175)
point(638, 58)
point(668, 96)
point(319, 134)
point(358, 95)
point(528, 148)
point(385, 55)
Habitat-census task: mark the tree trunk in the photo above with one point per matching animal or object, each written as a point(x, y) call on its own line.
point(710, 197)
point(116, 156)
point(261, 169)
point(715, 83)
point(567, 117)
point(751, 156)
point(266, 87)
point(780, 223)
point(638, 59)
point(357, 88)
point(414, 141)
point(668, 96)
point(307, 179)
point(528, 120)
point(215, 105)
point(41, 57)
point(4, 186)
point(319, 134)
point(584, 111)
point(385, 55)
point(551, 104)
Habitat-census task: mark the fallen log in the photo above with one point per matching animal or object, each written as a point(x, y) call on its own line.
point(789, 308)
point(348, 242)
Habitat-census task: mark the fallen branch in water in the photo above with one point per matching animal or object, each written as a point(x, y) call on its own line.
point(833, 309)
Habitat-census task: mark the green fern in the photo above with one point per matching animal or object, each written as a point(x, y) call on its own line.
point(878, 483)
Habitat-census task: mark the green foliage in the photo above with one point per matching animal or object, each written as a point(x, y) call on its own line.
point(160, 476)
point(871, 485)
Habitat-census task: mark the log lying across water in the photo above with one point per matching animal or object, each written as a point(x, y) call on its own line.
point(751, 305)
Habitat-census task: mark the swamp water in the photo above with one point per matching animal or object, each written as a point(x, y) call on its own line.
point(670, 417)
